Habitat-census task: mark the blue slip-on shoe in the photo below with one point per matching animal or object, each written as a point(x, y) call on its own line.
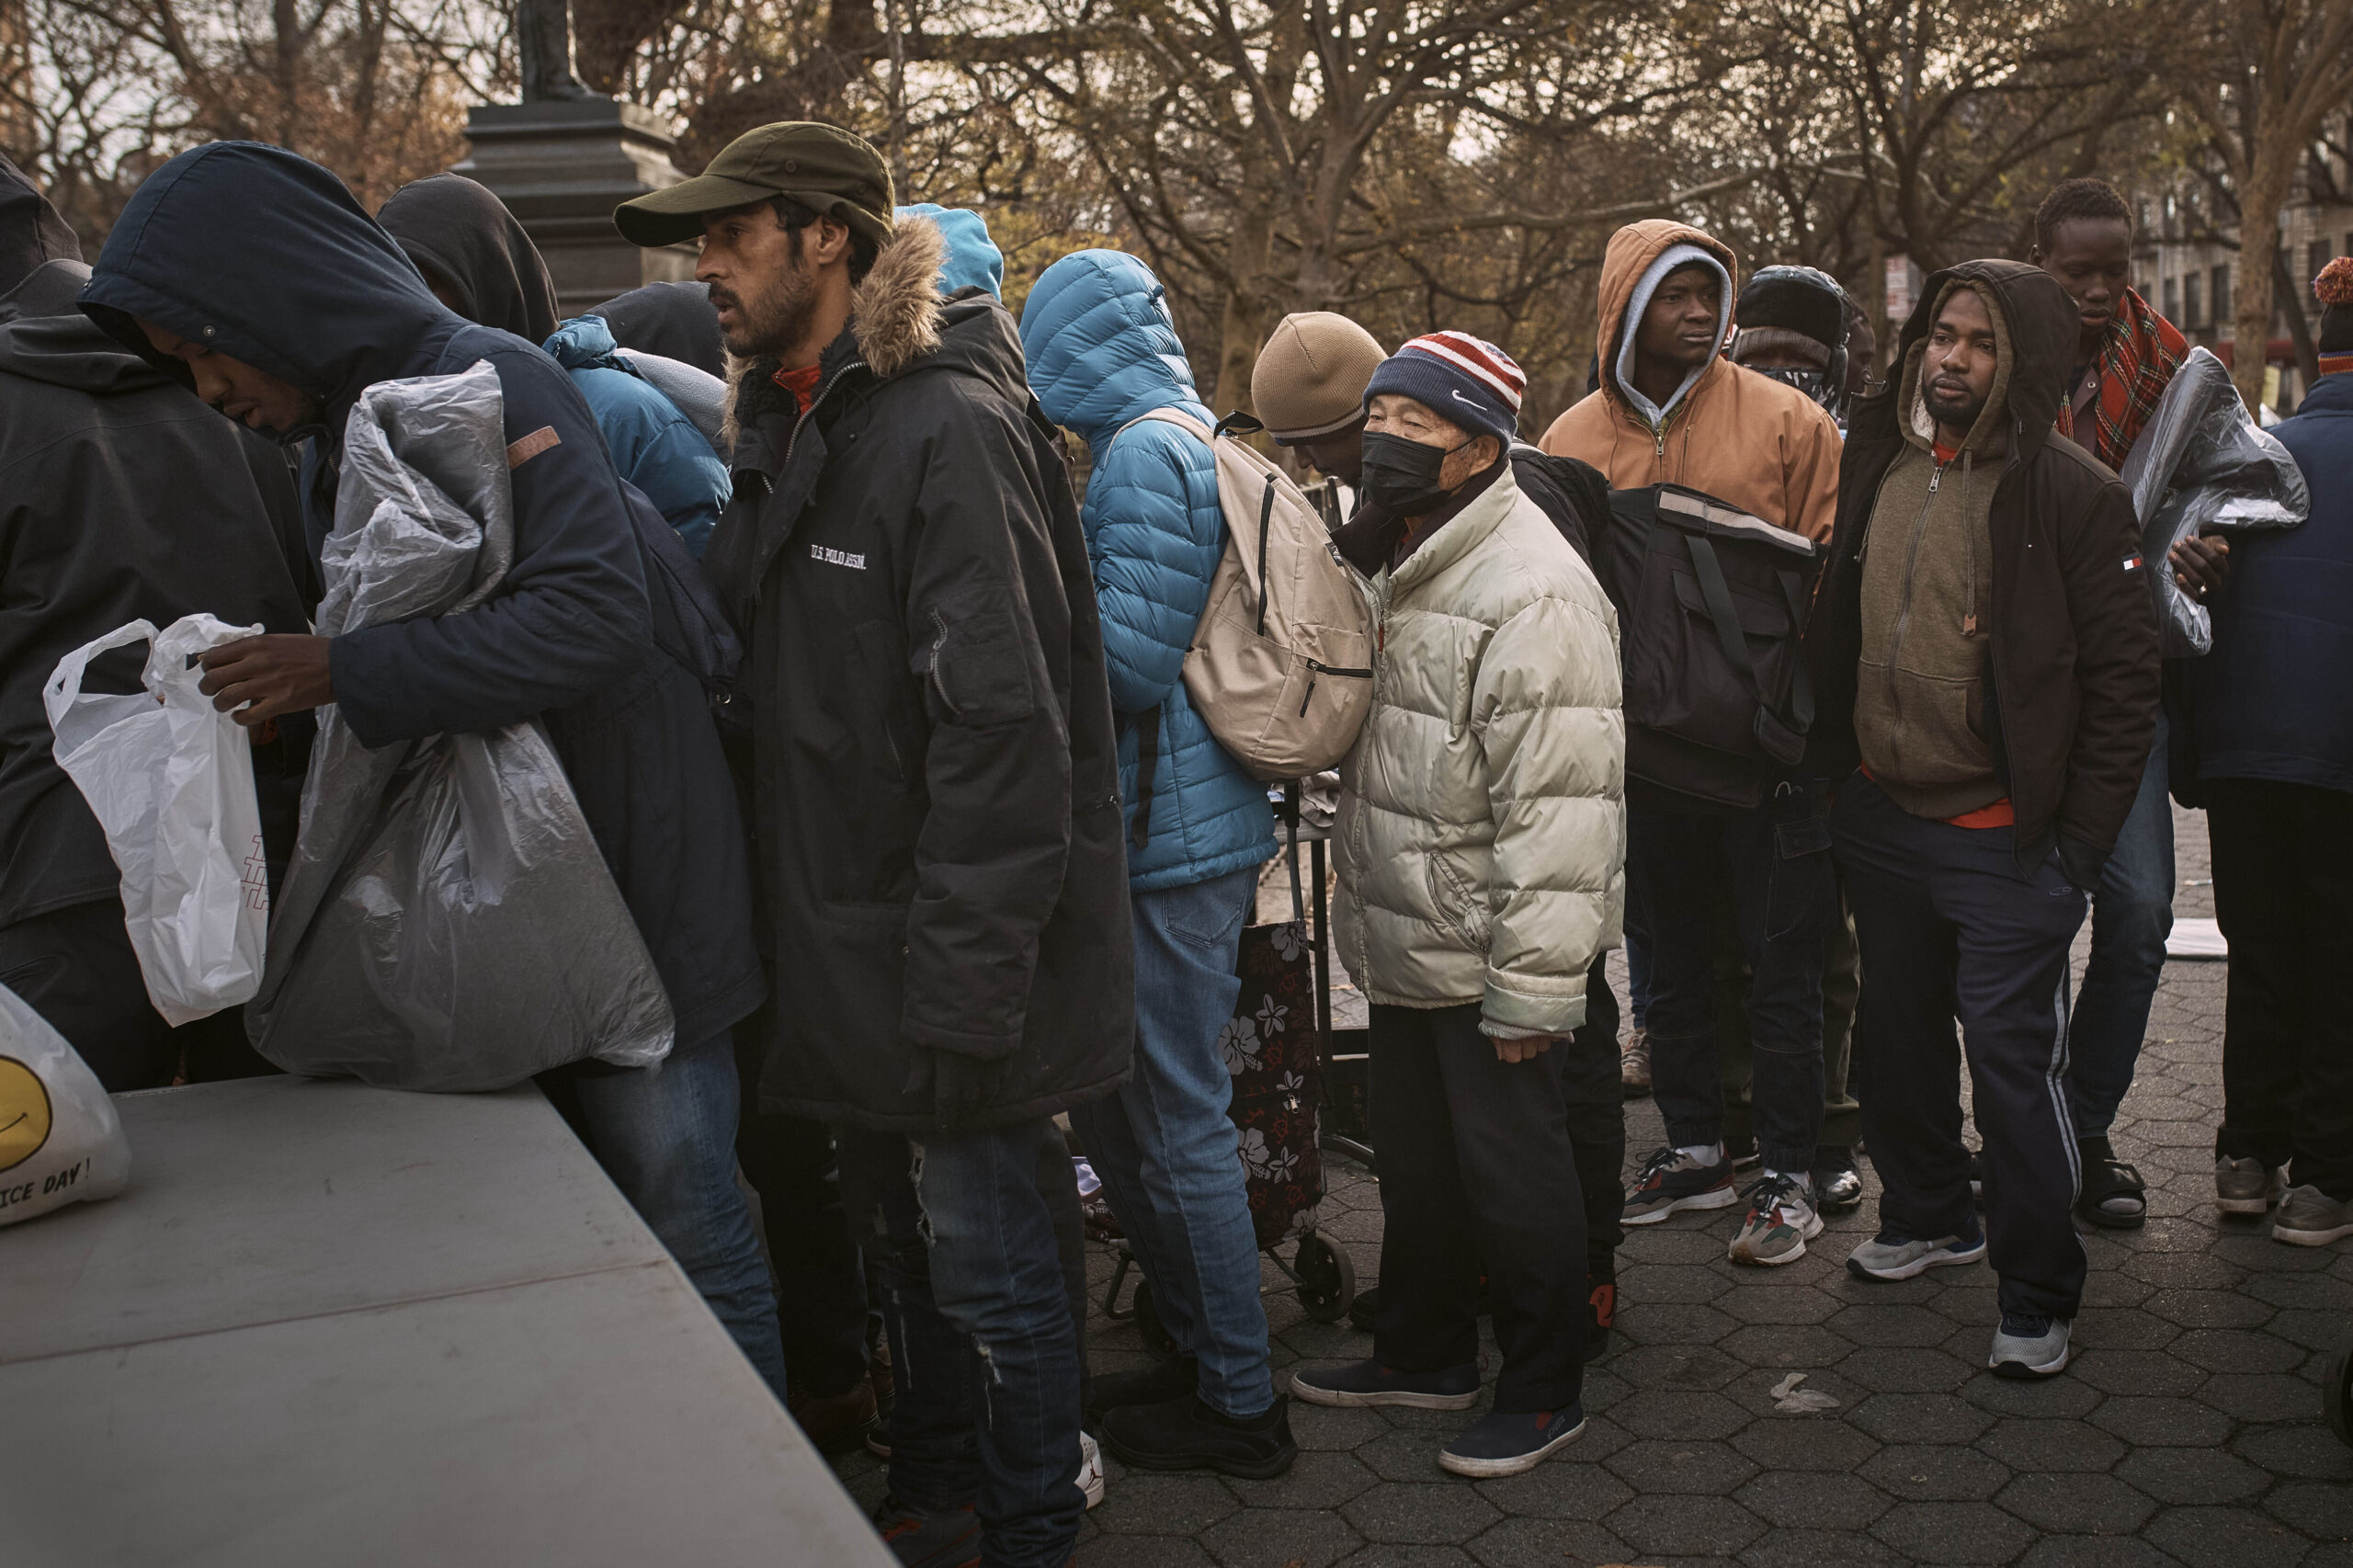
point(1362, 1384)
point(1891, 1255)
point(1506, 1443)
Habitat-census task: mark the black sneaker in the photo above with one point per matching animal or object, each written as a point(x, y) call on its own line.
point(1157, 1384)
point(1672, 1181)
point(1185, 1434)
point(919, 1540)
point(1501, 1444)
point(1837, 1186)
point(1357, 1384)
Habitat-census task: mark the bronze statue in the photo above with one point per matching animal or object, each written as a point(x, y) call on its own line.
point(543, 36)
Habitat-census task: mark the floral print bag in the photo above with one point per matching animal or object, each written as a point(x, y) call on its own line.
point(1273, 1049)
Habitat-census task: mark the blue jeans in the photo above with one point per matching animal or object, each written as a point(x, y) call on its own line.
point(2131, 916)
point(1170, 1161)
point(1773, 861)
point(666, 1136)
point(974, 1238)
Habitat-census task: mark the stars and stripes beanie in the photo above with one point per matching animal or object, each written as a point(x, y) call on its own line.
point(1465, 378)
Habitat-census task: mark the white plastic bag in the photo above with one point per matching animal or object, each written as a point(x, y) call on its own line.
point(60, 1139)
point(171, 780)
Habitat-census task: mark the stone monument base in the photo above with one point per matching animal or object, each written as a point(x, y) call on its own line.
point(562, 168)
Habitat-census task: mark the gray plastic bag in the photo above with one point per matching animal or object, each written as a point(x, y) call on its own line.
point(2202, 466)
point(448, 921)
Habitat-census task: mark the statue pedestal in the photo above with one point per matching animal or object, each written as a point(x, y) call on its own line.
point(562, 168)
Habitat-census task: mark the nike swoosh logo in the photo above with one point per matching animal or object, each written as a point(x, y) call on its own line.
point(1463, 400)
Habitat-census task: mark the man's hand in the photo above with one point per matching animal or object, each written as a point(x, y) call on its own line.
point(2200, 564)
point(1525, 1050)
point(258, 678)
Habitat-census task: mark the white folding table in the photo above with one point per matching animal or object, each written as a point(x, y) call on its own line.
point(335, 1325)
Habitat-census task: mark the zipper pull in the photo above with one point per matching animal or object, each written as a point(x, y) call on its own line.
point(1661, 435)
point(1935, 478)
point(1307, 698)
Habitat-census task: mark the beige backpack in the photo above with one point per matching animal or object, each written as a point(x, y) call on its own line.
point(1281, 664)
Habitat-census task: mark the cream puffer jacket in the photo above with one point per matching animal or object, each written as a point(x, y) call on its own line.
point(1482, 828)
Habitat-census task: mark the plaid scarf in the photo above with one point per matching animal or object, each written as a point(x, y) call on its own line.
point(2137, 359)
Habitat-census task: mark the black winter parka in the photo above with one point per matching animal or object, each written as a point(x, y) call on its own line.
point(935, 791)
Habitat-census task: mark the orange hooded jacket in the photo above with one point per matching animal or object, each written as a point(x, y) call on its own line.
point(1743, 439)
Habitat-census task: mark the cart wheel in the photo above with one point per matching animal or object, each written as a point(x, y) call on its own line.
point(1156, 1338)
point(2337, 1395)
point(1327, 1278)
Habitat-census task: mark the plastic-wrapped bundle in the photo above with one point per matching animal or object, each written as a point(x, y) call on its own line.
point(2202, 466)
point(449, 922)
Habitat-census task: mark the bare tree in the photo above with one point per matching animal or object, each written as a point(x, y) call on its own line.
point(2272, 71)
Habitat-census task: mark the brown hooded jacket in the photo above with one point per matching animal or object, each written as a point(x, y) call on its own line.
point(1743, 439)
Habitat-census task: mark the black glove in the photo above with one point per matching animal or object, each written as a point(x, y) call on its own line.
point(2082, 863)
point(959, 1085)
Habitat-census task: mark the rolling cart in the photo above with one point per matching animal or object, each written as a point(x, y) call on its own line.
point(1287, 1063)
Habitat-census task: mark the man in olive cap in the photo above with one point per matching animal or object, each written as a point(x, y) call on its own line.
point(936, 804)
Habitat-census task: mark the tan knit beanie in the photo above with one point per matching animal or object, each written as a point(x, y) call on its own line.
point(1311, 375)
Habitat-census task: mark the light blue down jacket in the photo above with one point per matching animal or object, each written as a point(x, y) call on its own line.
point(655, 446)
point(973, 260)
point(1103, 352)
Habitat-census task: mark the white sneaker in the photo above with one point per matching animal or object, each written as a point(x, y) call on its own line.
point(1090, 1469)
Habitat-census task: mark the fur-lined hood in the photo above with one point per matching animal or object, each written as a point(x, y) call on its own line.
point(898, 322)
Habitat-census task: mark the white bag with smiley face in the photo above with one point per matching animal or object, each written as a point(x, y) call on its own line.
point(60, 1139)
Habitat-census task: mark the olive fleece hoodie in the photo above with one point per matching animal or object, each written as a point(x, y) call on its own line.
point(1920, 682)
point(1743, 439)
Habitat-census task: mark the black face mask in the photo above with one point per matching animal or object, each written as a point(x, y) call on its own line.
point(1401, 476)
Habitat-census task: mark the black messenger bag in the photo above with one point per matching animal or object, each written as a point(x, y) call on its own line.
point(1713, 602)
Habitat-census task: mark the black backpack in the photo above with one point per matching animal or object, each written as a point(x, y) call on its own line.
point(1713, 604)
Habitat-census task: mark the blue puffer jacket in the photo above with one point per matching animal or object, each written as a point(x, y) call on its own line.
point(973, 260)
point(655, 446)
point(1103, 352)
point(2269, 701)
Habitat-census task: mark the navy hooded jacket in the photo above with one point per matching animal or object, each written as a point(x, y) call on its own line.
point(265, 258)
point(2271, 700)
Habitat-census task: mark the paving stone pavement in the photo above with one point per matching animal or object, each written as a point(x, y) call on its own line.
point(2188, 1431)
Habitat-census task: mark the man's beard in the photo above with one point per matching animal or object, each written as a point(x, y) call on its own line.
point(777, 316)
point(1961, 416)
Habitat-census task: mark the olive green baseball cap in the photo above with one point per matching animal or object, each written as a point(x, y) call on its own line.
point(823, 167)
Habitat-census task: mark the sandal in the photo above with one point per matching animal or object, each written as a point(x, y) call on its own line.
point(2115, 1196)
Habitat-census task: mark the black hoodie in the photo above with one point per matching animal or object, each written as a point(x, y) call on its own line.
point(31, 230)
point(121, 498)
point(2072, 652)
point(462, 237)
point(265, 258)
point(674, 320)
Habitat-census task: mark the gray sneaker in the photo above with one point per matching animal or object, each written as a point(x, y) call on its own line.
point(2310, 1218)
point(1781, 1220)
point(2246, 1187)
point(1889, 1255)
point(2029, 1347)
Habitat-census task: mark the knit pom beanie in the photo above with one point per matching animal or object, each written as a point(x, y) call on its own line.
point(2334, 288)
